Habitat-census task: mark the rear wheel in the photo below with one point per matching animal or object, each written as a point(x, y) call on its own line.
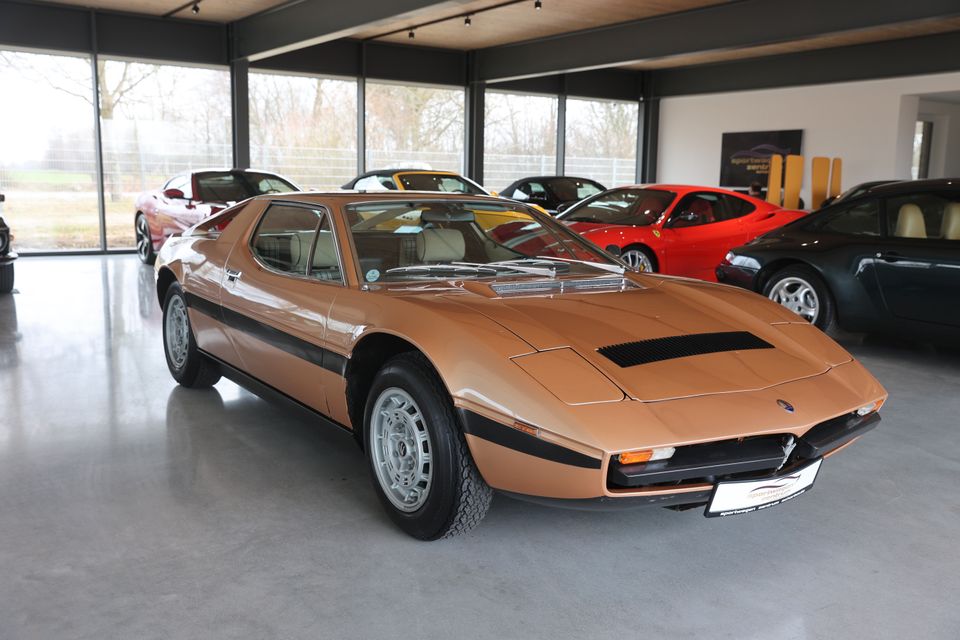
point(144, 240)
point(640, 257)
point(188, 365)
point(6, 278)
point(801, 290)
point(421, 467)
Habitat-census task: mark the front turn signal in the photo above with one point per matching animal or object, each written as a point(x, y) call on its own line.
point(646, 455)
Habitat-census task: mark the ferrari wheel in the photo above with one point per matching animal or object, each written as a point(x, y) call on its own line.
point(801, 290)
point(421, 467)
point(144, 240)
point(187, 364)
point(639, 258)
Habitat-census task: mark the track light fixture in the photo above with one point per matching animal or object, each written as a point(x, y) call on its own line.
point(411, 34)
point(467, 21)
point(538, 4)
point(196, 8)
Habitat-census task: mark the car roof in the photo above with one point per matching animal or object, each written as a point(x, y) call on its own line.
point(346, 196)
point(905, 186)
point(554, 178)
point(390, 172)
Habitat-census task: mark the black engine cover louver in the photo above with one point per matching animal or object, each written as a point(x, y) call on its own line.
point(629, 354)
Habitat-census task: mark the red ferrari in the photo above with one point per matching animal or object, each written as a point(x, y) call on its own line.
point(188, 198)
point(674, 229)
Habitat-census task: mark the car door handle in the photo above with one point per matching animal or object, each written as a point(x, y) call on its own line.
point(233, 276)
point(889, 256)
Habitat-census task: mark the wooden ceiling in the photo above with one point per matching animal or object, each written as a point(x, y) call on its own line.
point(210, 10)
point(862, 36)
point(520, 21)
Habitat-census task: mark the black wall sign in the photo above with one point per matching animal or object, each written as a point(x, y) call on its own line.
point(745, 156)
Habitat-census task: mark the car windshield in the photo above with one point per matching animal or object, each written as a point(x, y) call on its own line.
point(637, 207)
point(437, 182)
point(570, 189)
point(406, 240)
point(234, 186)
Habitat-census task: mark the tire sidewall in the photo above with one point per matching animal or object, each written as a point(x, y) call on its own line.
point(826, 314)
point(430, 521)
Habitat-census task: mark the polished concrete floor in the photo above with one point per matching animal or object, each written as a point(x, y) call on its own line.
point(130, 508)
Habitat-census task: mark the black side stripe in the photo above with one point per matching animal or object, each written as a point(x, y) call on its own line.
point(329, 360)
point(483, 427)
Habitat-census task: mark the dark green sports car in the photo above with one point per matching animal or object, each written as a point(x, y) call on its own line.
point(887, 260)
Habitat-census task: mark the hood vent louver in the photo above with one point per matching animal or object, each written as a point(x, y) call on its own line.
point(629, 354)
point(551, 287)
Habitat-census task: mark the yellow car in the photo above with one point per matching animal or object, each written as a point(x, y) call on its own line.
point(424, 180)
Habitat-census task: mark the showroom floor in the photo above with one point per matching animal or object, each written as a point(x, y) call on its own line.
point(130, 508)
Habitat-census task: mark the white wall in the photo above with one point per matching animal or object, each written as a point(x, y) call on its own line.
point(945, 146)
point(869, 124)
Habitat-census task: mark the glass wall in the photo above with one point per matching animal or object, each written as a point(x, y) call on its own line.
point(601, 141)
point(157, 120)
point(48, 168)
point(519, 137)
point(414, 126)
point(304, 127)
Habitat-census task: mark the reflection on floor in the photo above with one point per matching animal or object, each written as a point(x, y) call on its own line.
point(131, 508)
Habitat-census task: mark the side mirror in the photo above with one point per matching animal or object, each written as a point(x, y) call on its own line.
point(173, 194)
point(684, 216)
point(614, 249)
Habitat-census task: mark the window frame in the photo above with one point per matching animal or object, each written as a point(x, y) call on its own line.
point(317, 209)
point(722, 200)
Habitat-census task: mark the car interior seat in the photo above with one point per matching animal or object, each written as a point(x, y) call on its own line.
point(910, 223)
point(950, 228)
point(703, 209)
point(440, 245)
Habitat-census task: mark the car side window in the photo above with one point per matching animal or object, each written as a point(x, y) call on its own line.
point(694, 210)
point(182, 183)
point(297, 240)
point(861, 219)
point(924, 216)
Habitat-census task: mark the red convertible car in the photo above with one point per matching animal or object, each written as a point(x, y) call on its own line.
point(674, 229)
point(188, 198)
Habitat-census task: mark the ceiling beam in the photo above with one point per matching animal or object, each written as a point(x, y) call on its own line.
point(733, 25)
point(890, 59)
point(297, 25)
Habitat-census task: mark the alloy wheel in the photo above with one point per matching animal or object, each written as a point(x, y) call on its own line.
point(799, 296)
point(143, 238)
point(637, 260)
point(401, 449)
point(177, 332)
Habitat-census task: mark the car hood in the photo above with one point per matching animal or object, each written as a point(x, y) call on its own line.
point(659, 307)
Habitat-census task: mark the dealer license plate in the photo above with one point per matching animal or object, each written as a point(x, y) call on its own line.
point(745, 496)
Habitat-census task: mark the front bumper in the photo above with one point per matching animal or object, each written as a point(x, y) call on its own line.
point(8, 257)
point(754, 457)
point(743, 277)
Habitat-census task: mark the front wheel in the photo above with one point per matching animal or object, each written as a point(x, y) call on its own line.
point(422, 470)
point(801, 290)
point(188, 365)
point(640, 258)
point(141, 229)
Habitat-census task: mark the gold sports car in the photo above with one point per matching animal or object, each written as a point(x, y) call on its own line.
point(518, 358)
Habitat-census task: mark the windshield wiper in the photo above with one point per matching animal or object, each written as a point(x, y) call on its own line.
point(446, 269)
point(603, 266)
point(522, 265)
